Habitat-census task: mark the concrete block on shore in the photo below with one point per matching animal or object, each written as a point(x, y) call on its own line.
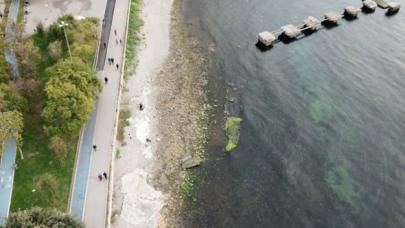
point(333, 16)
point(393, 6)
point(290, 30)
point(369, 5)
point(352, 11)
point(189, 162)
point(266, 38)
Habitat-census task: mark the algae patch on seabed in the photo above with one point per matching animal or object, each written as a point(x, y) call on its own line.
point(339, 180)
point(189, 188)
point(232, 130)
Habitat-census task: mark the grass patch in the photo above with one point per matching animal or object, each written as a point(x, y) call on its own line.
point(117, 154)
point(232, 130)
point(40, 169)
point(133, 38)
point(123, 122)
point(20, 15)
point(38, 161)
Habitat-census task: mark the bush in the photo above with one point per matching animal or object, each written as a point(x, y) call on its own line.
point(55, 49)
point(71, 91)
point(59, 147)
point(41, 218)
point(12, 100)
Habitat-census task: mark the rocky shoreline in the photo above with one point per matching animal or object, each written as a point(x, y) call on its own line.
point(183, 109)
point(171, 84)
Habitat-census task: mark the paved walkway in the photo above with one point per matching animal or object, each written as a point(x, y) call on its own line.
point(95, 197)
point(7, 165)
point(10, 36)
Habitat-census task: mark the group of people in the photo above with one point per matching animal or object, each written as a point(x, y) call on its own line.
point(100, 176)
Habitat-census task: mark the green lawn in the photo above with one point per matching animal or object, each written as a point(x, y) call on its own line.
point(20, 16)
point(133, 38)
point(39, 160)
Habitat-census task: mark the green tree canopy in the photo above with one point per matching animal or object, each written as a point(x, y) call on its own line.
point(11, 99)
point(28, 57)
point(11, 125)
point(71, 91)
point(42, 218)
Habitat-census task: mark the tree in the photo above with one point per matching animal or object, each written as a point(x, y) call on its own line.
point(11, 125)
point(71, 91)
point(42, 218)
point(55, 49)
point(4, 69)
point(59, 147)
point(12, 99)
point(28, 57)
point(26, 87)
point(84, 52)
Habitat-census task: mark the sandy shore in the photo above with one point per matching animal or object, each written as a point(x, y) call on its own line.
point(136, 201)
point(171, 86)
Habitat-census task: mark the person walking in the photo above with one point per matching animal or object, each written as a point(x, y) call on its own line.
point(94, 147)
point(120, 41)
point(105, 80)
point(100, 178)
point(118, 66)
point(115, 31)
point(105, 175)
point(105, 45)
point(112, 60)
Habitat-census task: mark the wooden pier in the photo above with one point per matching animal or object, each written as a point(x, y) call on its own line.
point(311, 23)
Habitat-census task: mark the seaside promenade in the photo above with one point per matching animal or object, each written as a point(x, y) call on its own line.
point(90, 197)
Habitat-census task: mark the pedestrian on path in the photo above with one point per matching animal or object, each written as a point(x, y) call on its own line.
point(118, 66)
point(115, 31)
point(105, 175)
point(94, 148)
point(100, 178)
point(112, 60)
point(120, 41)
point(105, 80)
point(140, 106)
point(109, 61)
point(105, 45)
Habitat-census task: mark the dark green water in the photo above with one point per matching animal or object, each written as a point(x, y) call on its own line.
point(323, 138)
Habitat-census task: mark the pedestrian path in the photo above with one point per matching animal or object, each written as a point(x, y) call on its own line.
point(7, 168)
point(7, 163)
point(10, 36)
point(90, 196)
point(83, 159)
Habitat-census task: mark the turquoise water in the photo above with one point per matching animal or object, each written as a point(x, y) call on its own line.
point(322, 142)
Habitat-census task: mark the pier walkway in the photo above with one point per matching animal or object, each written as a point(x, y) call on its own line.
point(313, 24)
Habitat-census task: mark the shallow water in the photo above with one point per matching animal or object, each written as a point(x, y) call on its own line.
point(322, 142)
